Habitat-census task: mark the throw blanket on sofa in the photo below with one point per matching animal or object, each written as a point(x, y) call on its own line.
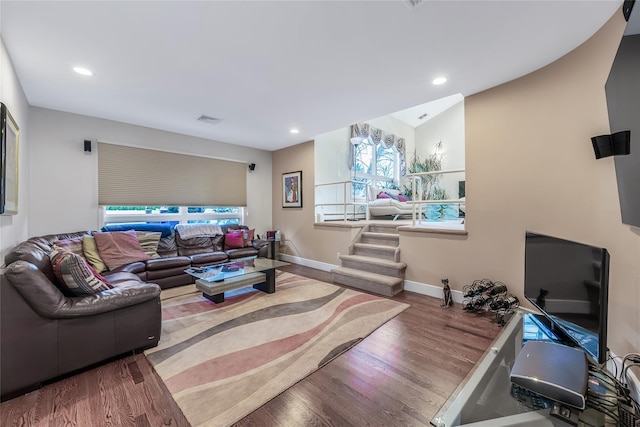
point(188, 231)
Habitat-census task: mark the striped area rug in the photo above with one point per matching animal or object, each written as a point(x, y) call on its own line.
point(222, 361)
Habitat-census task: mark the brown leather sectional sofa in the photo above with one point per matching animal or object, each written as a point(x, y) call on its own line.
point(178, 254)
point(45, 334)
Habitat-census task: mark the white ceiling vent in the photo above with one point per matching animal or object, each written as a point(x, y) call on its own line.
point(413, 3)
point(208, 119)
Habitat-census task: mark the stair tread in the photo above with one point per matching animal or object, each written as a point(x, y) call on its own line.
point(378, 278)
point(374, 260)
point(381, 235)
point(374, 246)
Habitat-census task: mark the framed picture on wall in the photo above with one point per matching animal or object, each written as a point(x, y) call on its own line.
point(292, 189)
point(8, 163)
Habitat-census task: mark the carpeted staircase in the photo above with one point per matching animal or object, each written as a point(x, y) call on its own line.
point(373, 263)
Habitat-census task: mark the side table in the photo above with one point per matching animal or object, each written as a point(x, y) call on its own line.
point(274, 249)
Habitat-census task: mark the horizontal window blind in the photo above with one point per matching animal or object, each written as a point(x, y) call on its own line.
point(137, 176)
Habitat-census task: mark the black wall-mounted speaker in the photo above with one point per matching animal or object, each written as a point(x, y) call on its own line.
point(616, 144)
point(627, 7)
point(87, 145)
point(252, 166)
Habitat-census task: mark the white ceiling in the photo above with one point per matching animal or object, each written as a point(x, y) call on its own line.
point(264, 67)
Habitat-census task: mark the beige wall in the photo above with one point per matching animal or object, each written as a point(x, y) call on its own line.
point(530, 166)
point(300, 237)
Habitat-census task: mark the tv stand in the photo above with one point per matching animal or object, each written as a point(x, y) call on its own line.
point(485, 397)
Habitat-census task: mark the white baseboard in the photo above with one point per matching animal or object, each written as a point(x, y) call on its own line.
point(431, 290)
point(308, 262)
point(614, 364)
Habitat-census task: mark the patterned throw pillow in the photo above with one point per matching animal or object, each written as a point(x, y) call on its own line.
point(92, 255)
point(72, 245)
point(75, 275)
point(234, 240)
point(149, 242)
point(118, 248)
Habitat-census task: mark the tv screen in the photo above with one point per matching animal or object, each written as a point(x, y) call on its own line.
point(568, 282)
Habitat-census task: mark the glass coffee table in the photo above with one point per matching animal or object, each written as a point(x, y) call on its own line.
point(215, 280)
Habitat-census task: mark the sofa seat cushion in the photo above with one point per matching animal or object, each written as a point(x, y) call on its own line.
point(155, 275)
point(241, 253)
point(167, 263)
point(115, 279)
point(208, 258)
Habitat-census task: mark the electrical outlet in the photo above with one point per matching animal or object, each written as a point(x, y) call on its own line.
point(337, 255)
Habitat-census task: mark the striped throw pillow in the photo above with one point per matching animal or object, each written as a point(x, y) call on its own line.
point(149, 242)
point(74, 274)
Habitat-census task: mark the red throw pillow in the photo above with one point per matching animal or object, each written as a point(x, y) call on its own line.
point(402, 198)
point(383, 196)
point(234, 240)
point(248, 239)
point(118, 248)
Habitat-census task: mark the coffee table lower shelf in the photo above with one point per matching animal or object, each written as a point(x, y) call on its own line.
point(214, 291)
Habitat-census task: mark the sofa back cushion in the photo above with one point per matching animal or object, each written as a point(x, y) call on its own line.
point(167, 247)
point(36, 251)
point(196, 245)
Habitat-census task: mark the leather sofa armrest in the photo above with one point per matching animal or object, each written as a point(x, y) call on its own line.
point(47, 301)
point(258, 243)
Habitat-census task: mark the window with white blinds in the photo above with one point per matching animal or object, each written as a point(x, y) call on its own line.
point(142, 177)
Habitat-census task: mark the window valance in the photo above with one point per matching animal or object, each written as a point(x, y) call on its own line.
point(378, 136)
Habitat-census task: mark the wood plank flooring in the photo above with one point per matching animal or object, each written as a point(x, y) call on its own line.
point(398, 376)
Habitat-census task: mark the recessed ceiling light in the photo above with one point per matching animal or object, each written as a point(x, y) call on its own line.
point(83, 71)
point(439, 80)
point(294, 131)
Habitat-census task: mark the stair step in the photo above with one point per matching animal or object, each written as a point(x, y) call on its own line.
point(377, 251)
point(387, 239)
point(374, 265)
point(383, 228)
point(372, 282)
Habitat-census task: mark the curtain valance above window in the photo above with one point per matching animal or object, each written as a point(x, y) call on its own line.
point(377, 136)
point(140, 177)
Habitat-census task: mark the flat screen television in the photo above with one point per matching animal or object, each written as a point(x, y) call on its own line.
point(568, 282)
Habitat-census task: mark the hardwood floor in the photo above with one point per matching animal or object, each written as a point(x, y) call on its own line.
point(398, 376)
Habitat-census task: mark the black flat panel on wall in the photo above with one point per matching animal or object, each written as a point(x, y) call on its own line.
point(623, 102)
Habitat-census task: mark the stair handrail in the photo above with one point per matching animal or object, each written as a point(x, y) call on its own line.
point(417, 201)
point(346, 193)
